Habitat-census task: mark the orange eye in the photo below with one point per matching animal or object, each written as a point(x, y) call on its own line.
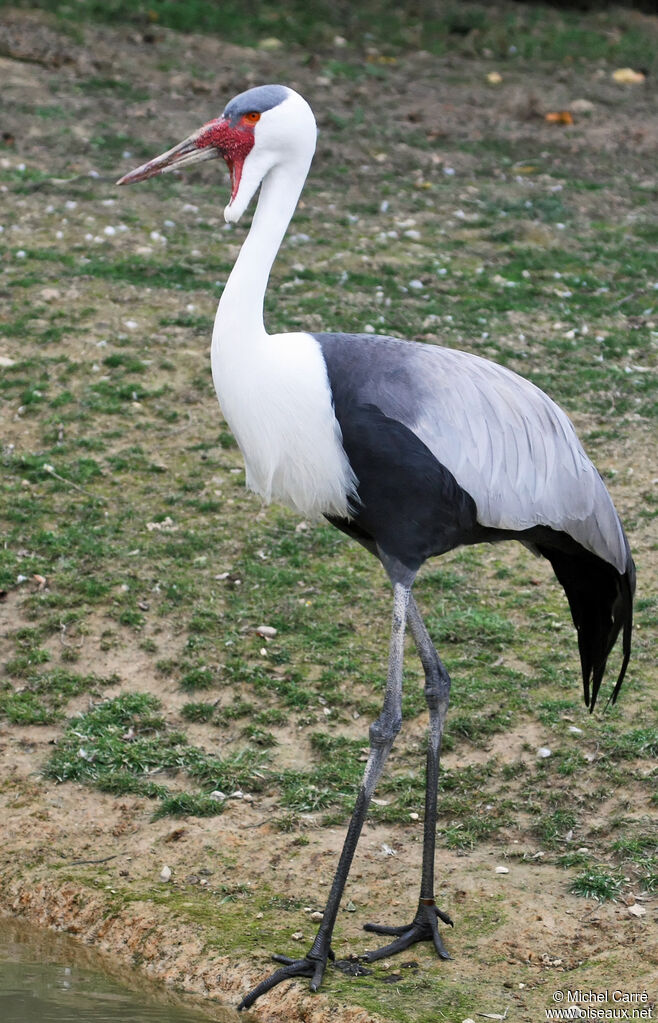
point(252, 117)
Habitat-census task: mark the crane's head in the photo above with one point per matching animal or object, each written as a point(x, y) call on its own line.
point(260, 128)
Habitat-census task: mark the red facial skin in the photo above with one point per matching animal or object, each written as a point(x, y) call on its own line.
point(233, 141)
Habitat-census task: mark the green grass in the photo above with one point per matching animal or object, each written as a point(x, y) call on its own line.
point(188, 805)
point(554, 828)
point(39, 698)
point(199, 712)
point(121, 744)
point(597, 883)
point(537, 33)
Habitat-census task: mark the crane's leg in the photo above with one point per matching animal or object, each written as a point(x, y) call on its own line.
point(424, 926)
point(382, 734)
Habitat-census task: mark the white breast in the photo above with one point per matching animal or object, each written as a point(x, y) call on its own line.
point(275, 397)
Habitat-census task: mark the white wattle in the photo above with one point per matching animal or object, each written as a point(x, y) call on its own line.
point(273, 390)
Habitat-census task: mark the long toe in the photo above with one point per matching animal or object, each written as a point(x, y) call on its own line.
point(424, 927)
point(313, 968)
point(441, 950)
point(409, 937)
point(383, 929)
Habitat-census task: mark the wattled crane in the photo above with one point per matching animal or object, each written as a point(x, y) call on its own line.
point(412, 449)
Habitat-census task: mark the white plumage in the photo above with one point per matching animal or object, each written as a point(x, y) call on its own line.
point(276, 398)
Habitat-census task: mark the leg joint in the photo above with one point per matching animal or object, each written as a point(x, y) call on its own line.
point(437, 679)
point(437, 690)
point(384, 729)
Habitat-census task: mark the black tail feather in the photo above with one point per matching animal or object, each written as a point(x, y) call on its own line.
point(628, 629)
point(601, 602)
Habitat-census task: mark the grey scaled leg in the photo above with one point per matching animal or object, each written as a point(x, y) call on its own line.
point(382, 734)
point(424, 926)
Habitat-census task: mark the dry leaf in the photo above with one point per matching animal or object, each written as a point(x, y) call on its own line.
point(637, 910)
point(559, 117)
point(627, 76)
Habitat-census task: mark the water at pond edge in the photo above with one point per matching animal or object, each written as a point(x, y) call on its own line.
point(47, 977)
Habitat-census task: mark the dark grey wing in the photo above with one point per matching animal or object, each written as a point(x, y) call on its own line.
point(510, 447)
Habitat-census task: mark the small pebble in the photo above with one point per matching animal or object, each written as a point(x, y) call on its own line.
point(544, 752)
point(502, 870)
point(165, 874)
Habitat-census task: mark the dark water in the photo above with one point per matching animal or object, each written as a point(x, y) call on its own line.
point(49, 978)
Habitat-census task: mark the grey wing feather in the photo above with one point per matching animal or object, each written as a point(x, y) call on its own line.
point(505, 441)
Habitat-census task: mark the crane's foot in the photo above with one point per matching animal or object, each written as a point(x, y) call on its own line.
point(309, 966)
point(423, 927)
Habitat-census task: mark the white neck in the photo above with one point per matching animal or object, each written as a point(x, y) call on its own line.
point(240, 311)
point(274, 390)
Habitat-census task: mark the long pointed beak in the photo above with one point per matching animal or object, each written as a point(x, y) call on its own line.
point(187, 152)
